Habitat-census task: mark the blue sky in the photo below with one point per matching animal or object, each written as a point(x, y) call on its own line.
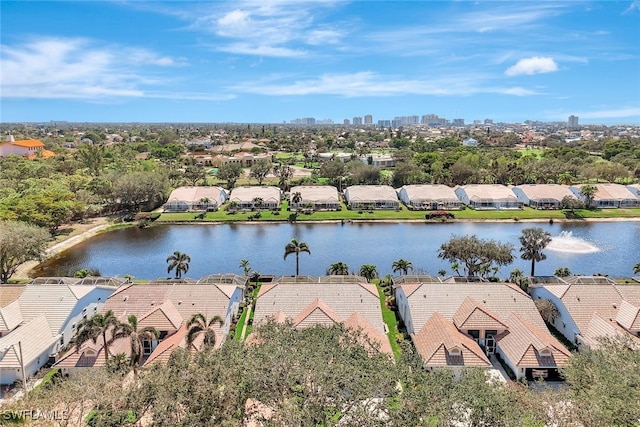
point(273, 61)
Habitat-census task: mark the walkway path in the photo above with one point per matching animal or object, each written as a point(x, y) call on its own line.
point(79, 233)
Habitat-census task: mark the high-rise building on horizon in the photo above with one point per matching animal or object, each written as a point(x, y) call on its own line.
point(572, 122)
point(357, 121)
point(368, 119)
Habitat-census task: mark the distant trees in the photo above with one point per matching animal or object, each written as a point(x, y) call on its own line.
point(533, 241)
point(477, 255)
point(229, 172)
point(260, 169)
point(296, 247)
point(19, 242)
point(562, 272)
point(178, 261)
point(636, 268)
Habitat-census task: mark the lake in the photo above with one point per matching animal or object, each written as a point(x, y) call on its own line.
point(585, 248)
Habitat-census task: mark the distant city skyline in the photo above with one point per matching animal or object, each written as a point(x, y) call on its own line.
point(271, 61)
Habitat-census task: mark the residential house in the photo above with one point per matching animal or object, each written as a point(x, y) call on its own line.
point(429, 197)
point(609, 195)
point(592, 307)
point(41, 321)
point(464, 324)
point(256, 197)
point(23, 147)
point(371, 197)
point(167, 307)
point(316, 197)
point(542, 196)
point(309, 301)
point(184, 199)
point(379, 160)
point(488, 196)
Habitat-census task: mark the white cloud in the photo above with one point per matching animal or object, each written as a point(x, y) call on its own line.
point(611, 114)
point(635, 5)
point(79, 68)
point(533, 65)
point(368, 83)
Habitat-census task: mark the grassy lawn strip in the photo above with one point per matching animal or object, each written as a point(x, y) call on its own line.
point(241, 324)
point(389, 318)
point(402, 214)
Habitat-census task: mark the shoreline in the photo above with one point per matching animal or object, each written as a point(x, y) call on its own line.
point(103, 225)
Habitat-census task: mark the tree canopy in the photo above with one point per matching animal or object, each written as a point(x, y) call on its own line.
point(19, 242)
point(477, 255)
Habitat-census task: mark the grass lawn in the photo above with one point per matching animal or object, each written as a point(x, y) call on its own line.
point(402, 214)
point(389, 318)
point(240, 324)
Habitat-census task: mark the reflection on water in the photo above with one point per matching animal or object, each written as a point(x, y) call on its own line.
point(219, 248)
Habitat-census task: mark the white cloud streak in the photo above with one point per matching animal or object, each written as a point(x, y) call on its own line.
point(533, 65)
point(370, 84)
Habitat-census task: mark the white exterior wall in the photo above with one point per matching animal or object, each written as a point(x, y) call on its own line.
point(462, 196)
point(11, 375)
point(519, 372)
point(8, 149)
point(232, 309)
point(564, 323)
point(87, 305)
point(520, 195)
point(403, 309)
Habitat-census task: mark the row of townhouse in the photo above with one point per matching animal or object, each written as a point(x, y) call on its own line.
point(454, 323)
point(418, 196)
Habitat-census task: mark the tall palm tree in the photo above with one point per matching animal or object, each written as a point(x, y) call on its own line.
point(198, 324)
point(369, 271)
point(588, 192)
point(338, 268)
point(296, 198)
point(402, 265)
point(180, 262)
point(533, 241)
point(97, 326)
point(245, 266)
point(136, 337)
point(295, 247)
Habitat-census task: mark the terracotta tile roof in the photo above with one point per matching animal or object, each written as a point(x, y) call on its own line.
point(29, 143)
point(316, 313)
point(10, 293)
point(600, 327)
point(163, 351)
point(165, 317)
point(435, 340)
point(473, 315)
point(187, 299)
point(10, 316)
point(357, 322)
point(306, 304)
point(628, 316)
point(582, 301)
point(35, 337)
point(529, 346)
point(500, 299)
point(91, 354)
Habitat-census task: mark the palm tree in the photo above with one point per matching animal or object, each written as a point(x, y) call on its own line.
point(296, 198)
point(442, 272)
point(533, 241)
point(369, 271)
point(180, 262)
point(136, 337)
point(295, 247)
point(588, 192)
point(244, 265)
point(636, 268)
point(198, 324)
point(97, 326)
point(456, 267)
point(402, 265)
point(338, 268)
